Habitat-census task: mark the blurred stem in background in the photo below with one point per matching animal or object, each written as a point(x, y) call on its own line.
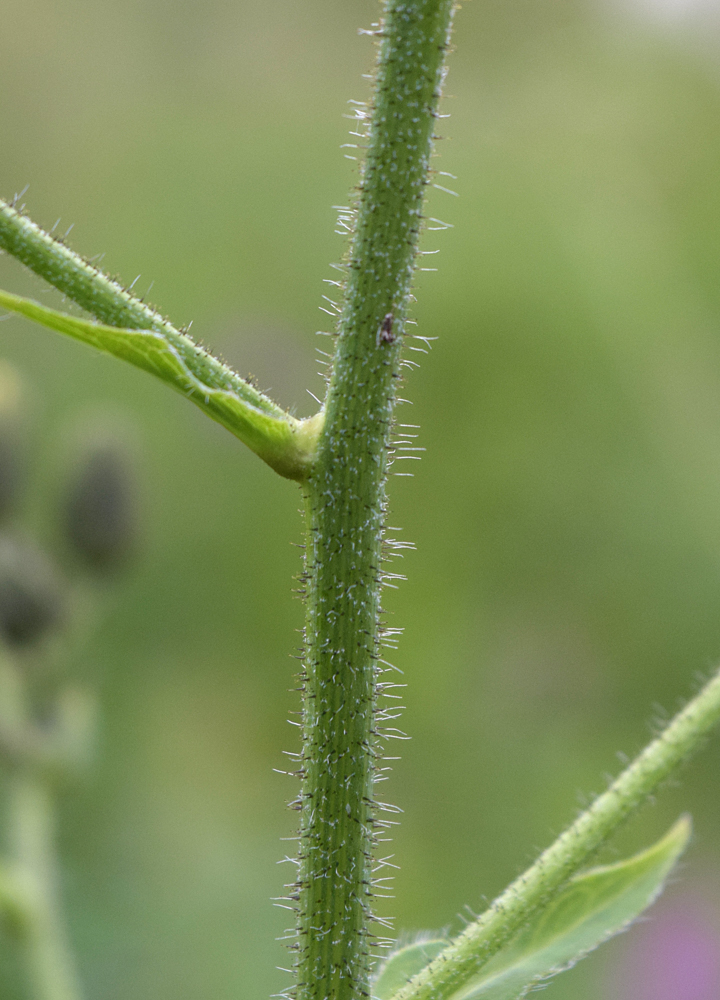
point(47, 721)
point(31, 863)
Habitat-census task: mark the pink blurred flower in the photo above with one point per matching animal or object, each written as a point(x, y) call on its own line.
point(675, 955)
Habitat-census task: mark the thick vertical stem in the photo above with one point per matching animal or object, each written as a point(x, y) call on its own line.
point(345, 503)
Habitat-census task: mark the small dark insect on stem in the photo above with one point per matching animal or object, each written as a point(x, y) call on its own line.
point(385, 333)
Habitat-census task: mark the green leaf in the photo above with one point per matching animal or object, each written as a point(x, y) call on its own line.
point(286, 444)
point(403, 964)
point(594, 906)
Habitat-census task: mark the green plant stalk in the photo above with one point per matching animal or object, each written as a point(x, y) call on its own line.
point(30, 865)
point(345, 505)
point(110, 303)
point(455, 967)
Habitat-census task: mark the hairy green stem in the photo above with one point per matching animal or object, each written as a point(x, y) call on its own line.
point(456, 966)
point(109, 302)
point(132, 331)
point(345, 504)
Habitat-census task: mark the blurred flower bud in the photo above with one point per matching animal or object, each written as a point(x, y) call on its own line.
point(31, 600)
point(100, 508)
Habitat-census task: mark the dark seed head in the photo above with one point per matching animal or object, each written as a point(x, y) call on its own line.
point(31, 601)
point(100, 508)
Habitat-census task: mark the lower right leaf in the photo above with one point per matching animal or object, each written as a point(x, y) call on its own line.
point(594, 906)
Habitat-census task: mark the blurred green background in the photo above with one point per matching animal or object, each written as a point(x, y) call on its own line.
point(566, 587)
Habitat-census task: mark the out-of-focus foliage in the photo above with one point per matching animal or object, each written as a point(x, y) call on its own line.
point(567, 512)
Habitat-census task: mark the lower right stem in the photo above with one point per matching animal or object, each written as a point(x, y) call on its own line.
point(468, 953)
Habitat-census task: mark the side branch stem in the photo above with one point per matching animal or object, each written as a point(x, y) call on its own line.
point(113, 305)
point(456, 966)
